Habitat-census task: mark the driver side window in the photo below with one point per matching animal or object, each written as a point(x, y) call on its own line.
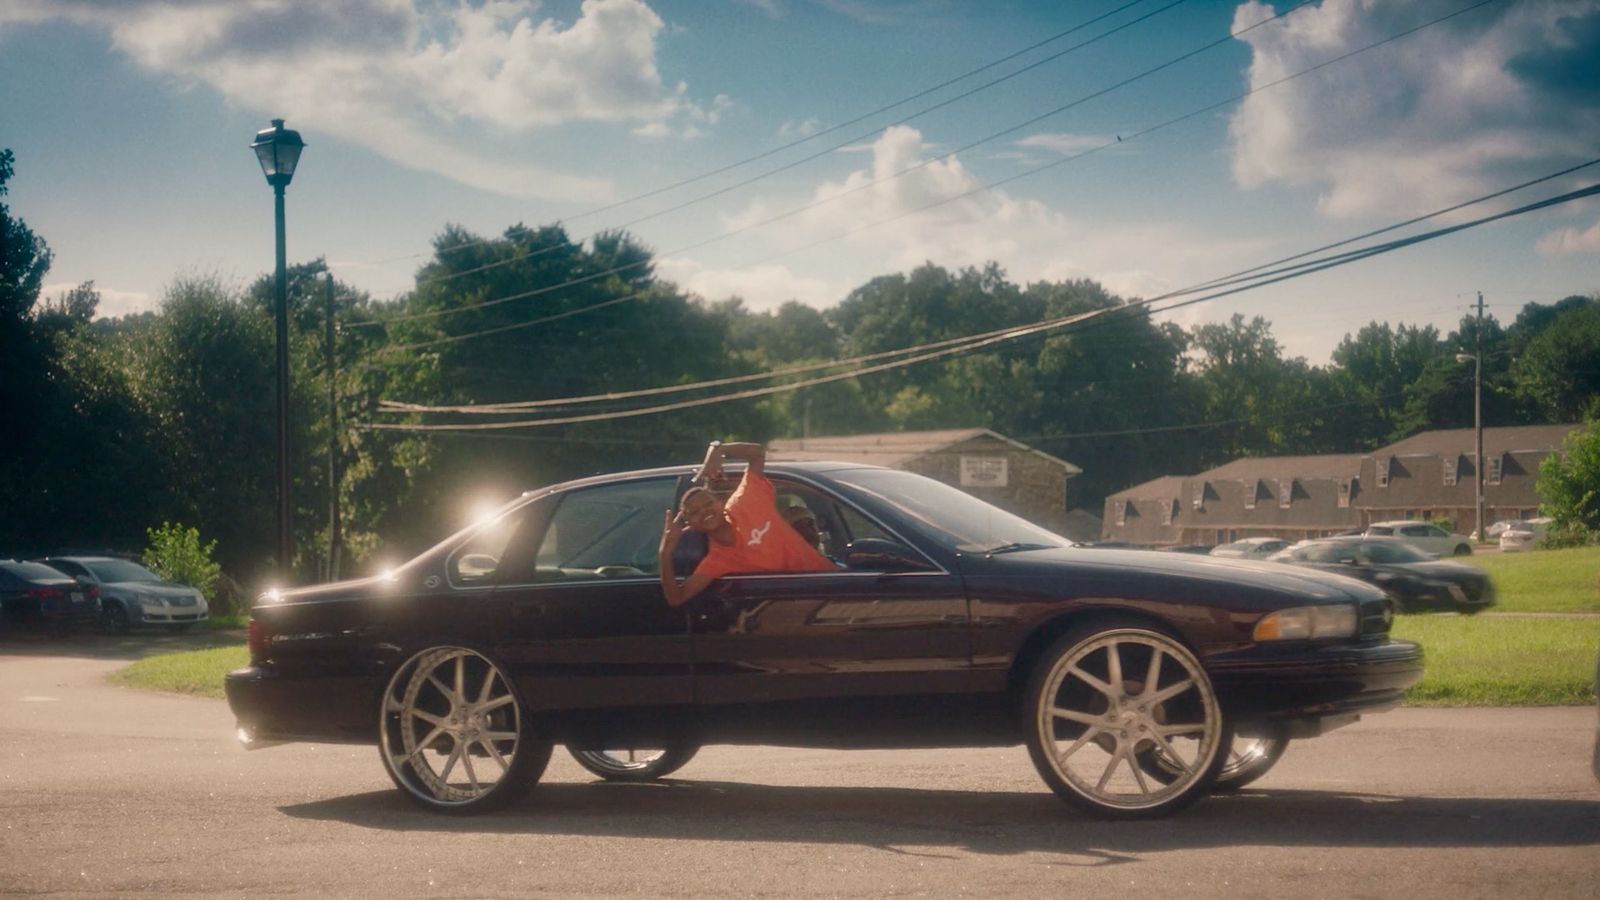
point(611, 531)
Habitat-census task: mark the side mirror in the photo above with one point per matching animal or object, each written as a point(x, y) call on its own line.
point(879, 555)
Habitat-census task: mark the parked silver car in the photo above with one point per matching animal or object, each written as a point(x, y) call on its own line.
point(1424, 536)
point(1251, 548)
point(132, 595)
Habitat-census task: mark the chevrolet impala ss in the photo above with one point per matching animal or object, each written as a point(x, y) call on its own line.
point(1138, 681)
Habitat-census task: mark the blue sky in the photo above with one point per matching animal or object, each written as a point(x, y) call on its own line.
point(131, 121)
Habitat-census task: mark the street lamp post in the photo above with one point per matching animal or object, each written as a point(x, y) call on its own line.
point(278, 150)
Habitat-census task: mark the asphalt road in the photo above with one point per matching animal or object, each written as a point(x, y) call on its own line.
point(108, 790)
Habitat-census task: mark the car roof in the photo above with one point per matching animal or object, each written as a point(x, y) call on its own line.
point(88, 559)
point(774, 467)
point(1395, 523)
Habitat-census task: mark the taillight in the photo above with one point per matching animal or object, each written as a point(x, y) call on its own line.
point(46, 593)
point(91, 592)
point(258, 641)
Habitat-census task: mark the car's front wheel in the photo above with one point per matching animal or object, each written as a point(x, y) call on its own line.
point(114, 619)
point(634, 763)
point(1107, 695)
point(454, 732)
point(1463, 550)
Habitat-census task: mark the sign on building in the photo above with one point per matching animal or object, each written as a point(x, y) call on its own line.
point(983, 471)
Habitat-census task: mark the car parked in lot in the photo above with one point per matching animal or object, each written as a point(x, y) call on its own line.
point(1523, 535)
point(32, 594)
point(1138, 681)
point(132, 595)
point(1417, 581)
point(1425, 536)
point(1251, 548)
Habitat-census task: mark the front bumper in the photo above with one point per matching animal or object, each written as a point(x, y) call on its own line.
point(1305, 683)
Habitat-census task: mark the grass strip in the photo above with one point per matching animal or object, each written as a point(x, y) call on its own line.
point(1543, 580)
point(197, 672)
point(1503, 660)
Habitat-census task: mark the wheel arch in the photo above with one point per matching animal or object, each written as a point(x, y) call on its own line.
point(1047, 632)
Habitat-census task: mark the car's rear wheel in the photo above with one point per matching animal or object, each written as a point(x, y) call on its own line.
point(454, 732)
point(1463, 550)
point(1109, 693)
point(1249, 758)
point(634, 763)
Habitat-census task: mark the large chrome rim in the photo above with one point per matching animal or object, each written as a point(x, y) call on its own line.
point(1122, 696)
point(451, 726)
point(631, 760)
point(1245, 755)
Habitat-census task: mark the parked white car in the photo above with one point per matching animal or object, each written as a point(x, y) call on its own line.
point(132, 595)
point(1251, 548)
point(1524, 535)
point(1424, 536)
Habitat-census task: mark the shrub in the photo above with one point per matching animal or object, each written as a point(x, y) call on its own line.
point(175, 554)
point(1569, 490)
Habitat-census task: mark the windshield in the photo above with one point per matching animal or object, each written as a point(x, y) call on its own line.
point(945, 515)
point(113, 570)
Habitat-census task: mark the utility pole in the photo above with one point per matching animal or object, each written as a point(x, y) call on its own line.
point(1477, 417)
point(333, 439)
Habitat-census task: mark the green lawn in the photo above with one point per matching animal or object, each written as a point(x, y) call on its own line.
point(1544, 580)
point(1503, 660)
point(1483, 660)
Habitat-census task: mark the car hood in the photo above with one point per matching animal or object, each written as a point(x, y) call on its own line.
point(156, 588)
point(1234, 573)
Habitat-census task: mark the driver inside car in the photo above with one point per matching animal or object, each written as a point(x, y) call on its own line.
point(745, 535)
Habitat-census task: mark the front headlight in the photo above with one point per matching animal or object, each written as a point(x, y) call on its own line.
point(151, 600)
point(1307, 622)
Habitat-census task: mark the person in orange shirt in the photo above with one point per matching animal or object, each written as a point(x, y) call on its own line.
point(747, 534)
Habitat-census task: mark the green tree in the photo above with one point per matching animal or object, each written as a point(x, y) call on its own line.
point(175, 553)
point(1569, 489)
point(1558, 370)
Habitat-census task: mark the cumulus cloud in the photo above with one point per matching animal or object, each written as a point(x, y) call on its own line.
point(873, 221)
point(763, 288)
point(1571, 241)
point(1458, 109)
point(369, 71)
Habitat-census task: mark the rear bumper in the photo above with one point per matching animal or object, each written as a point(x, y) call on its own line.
point(271, 709)
point(1306, 684)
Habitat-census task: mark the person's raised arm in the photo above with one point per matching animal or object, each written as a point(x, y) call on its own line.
point(754, 455)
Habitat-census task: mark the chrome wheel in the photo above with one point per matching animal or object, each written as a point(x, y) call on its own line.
point(1249, 758)
point(634, 763)
point(1108, 699)
point(452, 734)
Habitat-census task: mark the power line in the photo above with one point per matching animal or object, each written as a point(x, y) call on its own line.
point(981, 188)
point(1012, 334)
point(829, 130)
point(835, 197)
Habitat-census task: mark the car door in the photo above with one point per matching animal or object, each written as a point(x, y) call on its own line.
point(1424, 537)
point(583, 621)
point(861, 642)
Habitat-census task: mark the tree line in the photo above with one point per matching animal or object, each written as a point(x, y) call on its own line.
point(116, 424)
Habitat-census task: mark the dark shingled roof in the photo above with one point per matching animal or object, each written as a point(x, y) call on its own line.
point(1163, 488)
point(1454, 441)
point(1327, 465)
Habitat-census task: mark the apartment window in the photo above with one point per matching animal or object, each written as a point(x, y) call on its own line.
point(1200, 495)
point(1383, 472)
point(1344, 493)
point(1494, 469)
point(1250, 495)
point(1450, 466)
point(1285, 493)
point(1170, 514)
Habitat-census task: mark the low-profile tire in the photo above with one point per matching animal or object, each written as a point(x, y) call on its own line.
point(455, 734)
point(1463, 550)
point(113, 619)
point(635, 764)
point(1108, 692)
point(1249, 758)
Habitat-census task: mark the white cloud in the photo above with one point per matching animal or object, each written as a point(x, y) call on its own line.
point(369, 71)
point(1488, 99)
point(1571, 241)
point(763, 288)
point(1065, 144)
point(113, 302)
point(791, 129)
point(871, 223)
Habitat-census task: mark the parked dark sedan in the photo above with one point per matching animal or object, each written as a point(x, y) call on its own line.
point(36, 594)
point(1416, 580)
point(1128, 674)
